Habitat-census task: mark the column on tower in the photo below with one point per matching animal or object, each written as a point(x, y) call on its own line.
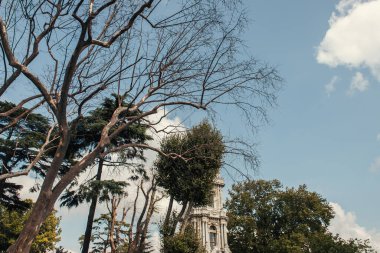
point(212, 215)
point(207, 236)
point(201, 230)
point(221, 244)
point(204, 235)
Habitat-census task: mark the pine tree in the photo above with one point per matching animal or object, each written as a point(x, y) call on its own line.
point(87, 136)
point(19, 143)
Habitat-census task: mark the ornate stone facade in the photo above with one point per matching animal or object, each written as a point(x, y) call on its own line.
point(210, 222)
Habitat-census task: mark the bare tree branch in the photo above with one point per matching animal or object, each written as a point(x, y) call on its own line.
point(181, 55)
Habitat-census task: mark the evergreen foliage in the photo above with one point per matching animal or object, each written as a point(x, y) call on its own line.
point(18, 145)
point(87, 136)
point(102, 189)
point(266, 218)
point(190, 178)
point(183, 243)
point(89, 129)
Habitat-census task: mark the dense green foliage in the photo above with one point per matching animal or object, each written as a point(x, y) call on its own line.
point(102, 189)
point(89, 129)
point(11, 223)
point(189, 178)
point(265, 218)
point(18, 145)
point(327, 242)
point(183, 243)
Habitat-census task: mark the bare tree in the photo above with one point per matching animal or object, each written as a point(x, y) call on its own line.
point(138, 231)
point(128, 231)
point(109, 228)
point(65, 55)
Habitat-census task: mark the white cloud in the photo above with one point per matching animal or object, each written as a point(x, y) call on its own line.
point(27, 183)
point(375, 165)
point(358, 83)
point(156, 242)
point(351, 39)
point(330, 86)
point(378, 137)
point(345, 224)
point(344, 7)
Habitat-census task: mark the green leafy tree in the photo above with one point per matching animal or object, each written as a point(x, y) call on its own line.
point(19, 143)
point(264, 217)
point(327, 242)
point(188, 242)
point(188, 177)
point(12, 221)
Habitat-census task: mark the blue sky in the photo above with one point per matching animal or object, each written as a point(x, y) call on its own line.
point(321, 135)
point(324, 131)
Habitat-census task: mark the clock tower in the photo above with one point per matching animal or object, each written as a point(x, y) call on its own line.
point(210, 222)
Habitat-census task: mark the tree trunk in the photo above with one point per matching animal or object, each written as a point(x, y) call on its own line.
point(46, 200)
point(40, 212)
point(139, 226)
point(91, 212)
point(132, 242)
point(147, 221)
point(168, 213)
point(44, 204)
point(173, 226)
point(186, 218)
point(114, 206)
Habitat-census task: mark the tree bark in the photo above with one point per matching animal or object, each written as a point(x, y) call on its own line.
point(147, 221)
point(45, 201)
point(139, 228)
point(115, 203)
point(168, 213)
point(178, 218)
point(91, 212)
point(40, 212)
point(131, 245)
point(186, 218)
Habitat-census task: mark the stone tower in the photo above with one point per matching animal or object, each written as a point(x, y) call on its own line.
point(210, 222)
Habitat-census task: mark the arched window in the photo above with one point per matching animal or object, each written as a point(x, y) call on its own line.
point(213, 236)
